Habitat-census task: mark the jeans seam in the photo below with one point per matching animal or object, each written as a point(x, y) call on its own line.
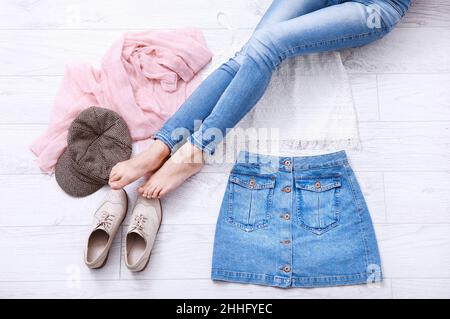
point(279, 56)
point(361, 221)
point(330, 41)
point(396, 8)
point(163, 136)
point(252, 274)
point(355, 198)
point(193, 139)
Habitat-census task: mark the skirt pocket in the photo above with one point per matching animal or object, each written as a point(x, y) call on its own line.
point(317, 202)
point(250, 200)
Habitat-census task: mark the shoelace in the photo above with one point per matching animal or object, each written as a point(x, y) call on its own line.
point(105, 220)
point(139, 222)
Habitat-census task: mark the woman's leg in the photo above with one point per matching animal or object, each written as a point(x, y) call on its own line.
point(204, 99)
point(201, 102)
point(350, 24)
point(336, 27)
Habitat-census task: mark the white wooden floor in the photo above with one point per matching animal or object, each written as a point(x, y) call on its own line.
point(402, 91)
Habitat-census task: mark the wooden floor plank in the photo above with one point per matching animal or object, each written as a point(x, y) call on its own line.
point(50, 253)
point(46, 52)
point(188, 288)
point(438, 288)
point(138, 14)
point(404, 50)
point(417, 197)
point(242, 14)
point(413, 97)
point(427, 13)
point(414, 250)
point(403, 146)
point(365, 99)
point(29, 99)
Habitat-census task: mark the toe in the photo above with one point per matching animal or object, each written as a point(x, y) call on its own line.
point(152, 192)
point(114, 176)
point(144, 187)
point(149, 191)
point(113, 185)
point(162, 193)
point(146, 192)
point(118, 183)
point(156, 191)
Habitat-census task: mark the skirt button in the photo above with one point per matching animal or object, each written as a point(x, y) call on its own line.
point(287, 189)
point(252, 182)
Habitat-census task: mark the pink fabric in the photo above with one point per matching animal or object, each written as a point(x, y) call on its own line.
point(145, 77)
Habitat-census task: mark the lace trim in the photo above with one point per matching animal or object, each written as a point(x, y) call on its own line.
point(288, 146)
point(349, 144)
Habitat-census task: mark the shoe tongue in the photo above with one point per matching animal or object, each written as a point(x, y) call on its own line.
point(102, 227)
point(136, 231)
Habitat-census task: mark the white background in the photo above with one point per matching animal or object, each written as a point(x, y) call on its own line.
point(401, 86)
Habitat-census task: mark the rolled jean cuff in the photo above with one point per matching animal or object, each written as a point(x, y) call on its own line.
point(194, 140)
point(164, 136)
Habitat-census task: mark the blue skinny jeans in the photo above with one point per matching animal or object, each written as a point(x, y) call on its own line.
point(289, 28)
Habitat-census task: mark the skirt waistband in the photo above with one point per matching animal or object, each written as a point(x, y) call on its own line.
point(297, 162)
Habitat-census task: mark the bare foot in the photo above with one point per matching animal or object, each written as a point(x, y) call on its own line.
point(187, 161)
point(126, 172)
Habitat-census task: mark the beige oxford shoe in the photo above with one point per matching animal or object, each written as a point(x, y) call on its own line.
point(107, 220)
point(141, 234)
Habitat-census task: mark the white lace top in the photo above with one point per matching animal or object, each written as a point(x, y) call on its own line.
point(307, 109)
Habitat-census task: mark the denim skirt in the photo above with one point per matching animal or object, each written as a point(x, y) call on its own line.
point(294, 222)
